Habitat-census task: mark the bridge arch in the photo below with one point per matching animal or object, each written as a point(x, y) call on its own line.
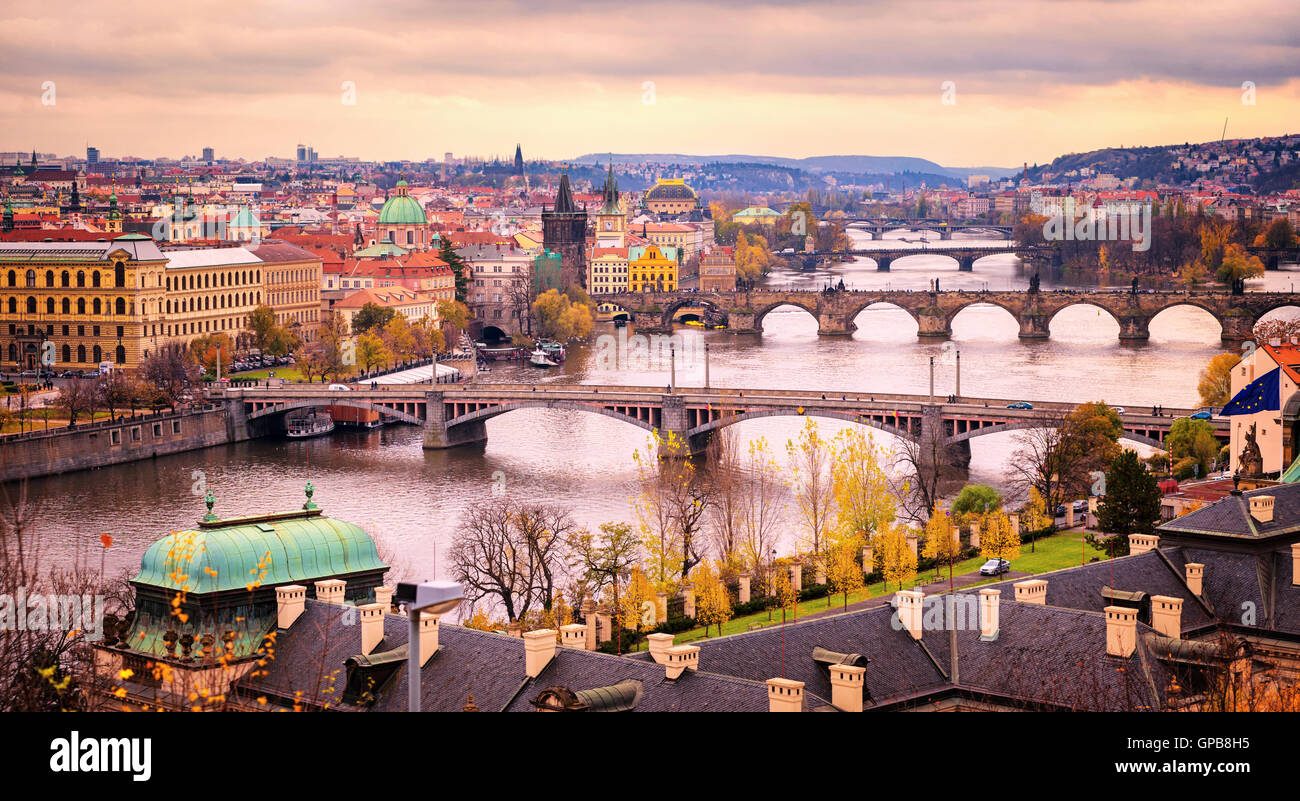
point(483, 415)
point(731, 420)
point(704, 301)
point(318, 403)
point(761, 314)
point(1212, 313)
point(1090, 303)
point(952, 315)
point(1021, 425)
point(879, 305)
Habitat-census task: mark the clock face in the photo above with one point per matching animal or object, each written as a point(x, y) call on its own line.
point(609, 225)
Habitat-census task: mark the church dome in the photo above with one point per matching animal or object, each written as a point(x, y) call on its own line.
point(402, 209)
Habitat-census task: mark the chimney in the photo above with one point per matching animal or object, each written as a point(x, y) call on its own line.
point(1261, 508)
point(1121, 631)
point(290, 600)
point(846, 686)
point(384, 596)
point(989, 600)
point(909, 611)
point(784, 695)
point(1141, 543)
point(1031, 591)
point(539, 648)
point(681, 658)
point(428, 637)
point(372, 627)
point(1295, 564)
point(330, 591)
point(574, 635)
point(1195, 573)
point(659, 645)
point(1167, 616)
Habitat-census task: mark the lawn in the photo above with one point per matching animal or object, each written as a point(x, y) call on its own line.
point(287, 371)
point(1051, 553)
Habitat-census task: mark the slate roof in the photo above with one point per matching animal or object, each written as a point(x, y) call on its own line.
point(1230, 518)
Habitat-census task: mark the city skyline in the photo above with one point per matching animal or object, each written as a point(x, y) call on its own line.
point(962, 87)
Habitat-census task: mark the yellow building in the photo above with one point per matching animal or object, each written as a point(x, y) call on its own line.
point(607, 270)
point(671, 196)
point(652, 269)
point(73, 305)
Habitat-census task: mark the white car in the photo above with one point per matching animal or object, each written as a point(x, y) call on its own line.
point(340, 388)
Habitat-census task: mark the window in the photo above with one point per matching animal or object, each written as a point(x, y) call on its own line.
point(115, 437)
point(135, 433)
point(81, 278)
point(31, 279)
point(176, 426)
point(157, 429)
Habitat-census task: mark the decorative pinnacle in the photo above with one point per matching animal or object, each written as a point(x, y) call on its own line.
point(210, 500)
point(310, 490)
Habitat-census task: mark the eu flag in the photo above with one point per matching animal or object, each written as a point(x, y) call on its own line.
point(1262, 394)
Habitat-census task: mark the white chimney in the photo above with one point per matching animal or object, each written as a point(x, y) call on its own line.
point(1261, 508)
point(1141, 543)
point(1295, 564)
point(428, 637)
point(539, 648)
point(290, 600)
point(846, 687)
point(910, 604)
point(330, 591)
point(1121, 631)
point(1167, 616)
point(384, 595)
point(1031, 591)
point(574, 635)
point(784, 695)
point(659, 645)
point(989, 600)
point(372, 627)
point(681, 658)
point(1195, 574)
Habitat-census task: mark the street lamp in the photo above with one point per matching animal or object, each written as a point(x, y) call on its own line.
point(434, 598)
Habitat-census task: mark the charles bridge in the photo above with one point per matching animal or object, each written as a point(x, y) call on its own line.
point(454, 415)
point(934, 312)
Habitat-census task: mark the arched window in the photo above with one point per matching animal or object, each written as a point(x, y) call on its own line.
point(49, 305)
point(99, 354)
point(81, 278)
point(119, 275)
point(81, 354)
point(13, 350)
point(97, 307)
point(94, 278)
point(120, 306)
point(13, 305)
point(31, 305)
point(169, 283)
point(67, 354)
point(63, 279)
point(49, 278)
point(81, 305)
point(120, 354)
point(31, 279)
point(13, 278)
point(67, 306)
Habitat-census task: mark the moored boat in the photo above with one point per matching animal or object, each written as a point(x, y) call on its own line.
point(540, 359)
point(313, 425)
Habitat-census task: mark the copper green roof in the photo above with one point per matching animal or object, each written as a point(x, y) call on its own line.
point(402, 210)
point(265, 551)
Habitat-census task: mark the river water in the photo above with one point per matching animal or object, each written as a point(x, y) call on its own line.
point(410, 499)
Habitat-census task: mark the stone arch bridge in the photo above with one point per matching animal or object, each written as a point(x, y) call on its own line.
point(935, 311)
point(457, 415)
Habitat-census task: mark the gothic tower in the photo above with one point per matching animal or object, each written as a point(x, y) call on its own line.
point(611, 223)
point(519, 161)
point(564, 231)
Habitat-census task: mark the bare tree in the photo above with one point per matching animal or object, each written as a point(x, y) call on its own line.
point(917, 473)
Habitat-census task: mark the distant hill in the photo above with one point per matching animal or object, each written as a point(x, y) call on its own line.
point(882, 165)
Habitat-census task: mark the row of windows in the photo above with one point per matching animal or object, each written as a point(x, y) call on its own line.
point(96, 306)
point(49, 330)
point(65, 278)
point(96, 353)
point(210, 280)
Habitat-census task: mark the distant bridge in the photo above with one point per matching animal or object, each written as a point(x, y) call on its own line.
point(877, 228)
point(456, 415)
point(934, 311)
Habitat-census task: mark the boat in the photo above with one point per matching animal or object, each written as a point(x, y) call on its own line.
point(313, 425)
point(540, 359)
point(554, 350)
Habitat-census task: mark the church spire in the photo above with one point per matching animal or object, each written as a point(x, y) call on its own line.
point(519, 160)
point(609, 203)
point(564, 197)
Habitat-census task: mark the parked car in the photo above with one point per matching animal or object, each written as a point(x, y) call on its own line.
point(1201, 415)
point(995, 567)
point(1020, 405)
point(27, 374)
point(70, 374)
point(340, 388)
point(1118, 409)
point(1080, 506)
point(90, 374)
point(1060, 510)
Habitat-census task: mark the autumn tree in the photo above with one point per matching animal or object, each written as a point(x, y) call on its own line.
point(894, 555)
point(370, 317)
point(941, 541)
point(1237, 264)
point(975, 499)
point(670, 503)
point(810, 461)
point(712, 603)
point(862, 500)
point(764, 494)
point(1215, 382)
point(454, 317)
point(843, 572)
point(997, 539)
point(560, 319)
point(370, 351)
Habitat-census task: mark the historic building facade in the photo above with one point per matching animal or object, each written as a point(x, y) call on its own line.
point(564, 231)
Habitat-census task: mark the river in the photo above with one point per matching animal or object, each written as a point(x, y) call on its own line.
point(410, 499)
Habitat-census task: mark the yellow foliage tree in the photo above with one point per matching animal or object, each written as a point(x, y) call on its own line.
point(997, 540)
point(940, 544)
point(1215, 382)
point(842, 569)
point(860, 488)
point(897, 562)
point(712, 603)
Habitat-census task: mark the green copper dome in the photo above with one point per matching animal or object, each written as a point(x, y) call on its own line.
point(266, 551)
point(402, 209)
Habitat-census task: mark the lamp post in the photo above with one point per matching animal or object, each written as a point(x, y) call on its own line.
point(434, 598)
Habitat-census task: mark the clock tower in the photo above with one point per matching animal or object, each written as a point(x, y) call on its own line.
point(611, 223)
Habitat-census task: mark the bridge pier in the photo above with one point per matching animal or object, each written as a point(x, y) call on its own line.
point(945, 233)
point(966, 264)
point(830, 324)
point(1134, 328)
point(1033, 325)
point(883, 262)
point(438, 435)
point(742, 322)
point(1238, 326)
point(932, 323)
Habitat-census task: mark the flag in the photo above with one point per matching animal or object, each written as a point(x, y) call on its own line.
point(1262, 394)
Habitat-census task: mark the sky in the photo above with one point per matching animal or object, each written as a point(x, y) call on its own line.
point(994, 83)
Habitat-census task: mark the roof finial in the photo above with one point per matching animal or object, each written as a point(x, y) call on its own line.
point(310, 490)
point(210, 500)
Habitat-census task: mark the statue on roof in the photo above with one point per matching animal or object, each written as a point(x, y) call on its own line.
point(1251, 460)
